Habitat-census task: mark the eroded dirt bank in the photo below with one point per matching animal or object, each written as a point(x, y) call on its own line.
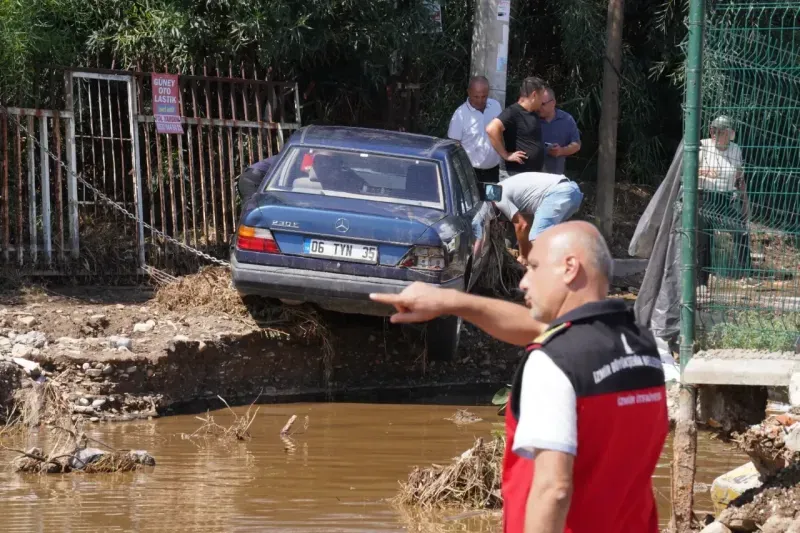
point(117, 354)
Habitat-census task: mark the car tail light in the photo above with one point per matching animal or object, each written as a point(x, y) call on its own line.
point(424, 257)
point(256, 240)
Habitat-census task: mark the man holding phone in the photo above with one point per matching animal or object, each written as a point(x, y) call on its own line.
point(559, 133)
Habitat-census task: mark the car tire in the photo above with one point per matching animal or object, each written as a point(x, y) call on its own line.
point(442, 338)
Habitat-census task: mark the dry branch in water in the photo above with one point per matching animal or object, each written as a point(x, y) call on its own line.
point(470, 481)
point(239, 430)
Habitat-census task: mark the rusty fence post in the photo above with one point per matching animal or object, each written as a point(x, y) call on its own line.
point(72, 163)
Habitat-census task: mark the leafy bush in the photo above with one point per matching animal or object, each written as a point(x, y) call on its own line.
point(346, 54)
point(773, 332)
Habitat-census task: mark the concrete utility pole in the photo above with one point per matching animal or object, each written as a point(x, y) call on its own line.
point(609, 117)
point(490, 45)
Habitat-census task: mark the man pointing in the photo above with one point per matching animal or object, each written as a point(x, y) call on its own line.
point(587, 414)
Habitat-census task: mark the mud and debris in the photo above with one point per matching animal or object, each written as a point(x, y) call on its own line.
point(471, 481)
point(773, 444)
point(774, 448)
point(463, 417)
point(117, 354)
point(775, 506)
point(71, 450)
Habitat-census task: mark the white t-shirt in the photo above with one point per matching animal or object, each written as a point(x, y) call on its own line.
point(724, 162)
point(468, 126)
point(548, 409)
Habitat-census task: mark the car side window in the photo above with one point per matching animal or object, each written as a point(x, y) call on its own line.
point(455, 185)
point(469, 175)
point(463, 182)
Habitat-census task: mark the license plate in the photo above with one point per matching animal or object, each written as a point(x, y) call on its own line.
point(341, 250)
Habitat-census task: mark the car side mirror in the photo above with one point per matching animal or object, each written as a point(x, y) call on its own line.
point(491, 192)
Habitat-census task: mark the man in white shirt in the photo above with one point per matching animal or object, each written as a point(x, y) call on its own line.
point(468, 125)
point(723, 203)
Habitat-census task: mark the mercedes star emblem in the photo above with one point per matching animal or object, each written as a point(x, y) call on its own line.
point(342, 225)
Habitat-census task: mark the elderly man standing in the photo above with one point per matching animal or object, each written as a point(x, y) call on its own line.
point(559, 133)
point(468, 126)
point(587, 415)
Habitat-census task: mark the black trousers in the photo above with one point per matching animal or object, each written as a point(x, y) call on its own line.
point(488, 175)
point(723, 213)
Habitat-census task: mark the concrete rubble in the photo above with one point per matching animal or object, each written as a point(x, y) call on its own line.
point(774, 449)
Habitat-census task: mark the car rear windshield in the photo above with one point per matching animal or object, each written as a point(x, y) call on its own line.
point(353, 174)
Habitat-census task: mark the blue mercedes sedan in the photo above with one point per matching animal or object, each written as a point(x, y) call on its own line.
point(344, 212)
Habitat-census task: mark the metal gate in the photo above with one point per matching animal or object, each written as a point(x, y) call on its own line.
point(106, 148)
point(95, 183)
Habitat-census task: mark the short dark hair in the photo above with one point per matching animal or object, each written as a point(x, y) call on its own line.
point(530, 85)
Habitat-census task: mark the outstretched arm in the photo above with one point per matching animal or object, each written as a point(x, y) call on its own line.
point(506, 321)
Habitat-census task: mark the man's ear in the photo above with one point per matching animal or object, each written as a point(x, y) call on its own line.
point(571, 268)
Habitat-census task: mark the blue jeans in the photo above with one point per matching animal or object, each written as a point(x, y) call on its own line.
point(560, 203)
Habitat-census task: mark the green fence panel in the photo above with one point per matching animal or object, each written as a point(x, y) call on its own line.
point(748, 241)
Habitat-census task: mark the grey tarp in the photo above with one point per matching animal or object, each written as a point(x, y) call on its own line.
point(657, 236)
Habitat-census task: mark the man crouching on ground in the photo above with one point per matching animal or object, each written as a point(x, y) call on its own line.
point(535, 201)
point(587, 415)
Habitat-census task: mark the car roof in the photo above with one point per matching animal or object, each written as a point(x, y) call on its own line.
point(375, 140)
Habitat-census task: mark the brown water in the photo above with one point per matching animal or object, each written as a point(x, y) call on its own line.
point(336, 478)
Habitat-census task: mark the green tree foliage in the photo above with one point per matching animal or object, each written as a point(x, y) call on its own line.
point(345, 53)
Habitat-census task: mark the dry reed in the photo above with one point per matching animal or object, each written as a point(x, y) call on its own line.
point(211, 288)
point(470, 481)
point(42, 403)
point(238, 431)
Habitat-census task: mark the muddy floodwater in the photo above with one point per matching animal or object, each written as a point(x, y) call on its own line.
point(334, 476)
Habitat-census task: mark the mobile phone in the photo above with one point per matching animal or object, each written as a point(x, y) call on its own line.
point(548, 145)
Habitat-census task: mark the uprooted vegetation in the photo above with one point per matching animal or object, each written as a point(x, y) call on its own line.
point(470, 481)
point(502, 273)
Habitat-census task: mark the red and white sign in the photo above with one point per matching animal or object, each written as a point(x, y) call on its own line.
point(166, 103)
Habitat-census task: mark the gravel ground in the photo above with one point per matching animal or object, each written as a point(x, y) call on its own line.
point(746, 354)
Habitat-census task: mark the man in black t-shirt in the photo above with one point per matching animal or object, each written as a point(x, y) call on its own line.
point(516, 134)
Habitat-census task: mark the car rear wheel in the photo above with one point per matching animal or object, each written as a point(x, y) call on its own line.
point(441, 338)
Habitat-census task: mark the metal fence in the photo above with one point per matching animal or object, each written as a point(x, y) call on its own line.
point(100, 127)
point(748, 239)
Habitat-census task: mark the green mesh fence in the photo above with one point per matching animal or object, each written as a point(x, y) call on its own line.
point(748, 245)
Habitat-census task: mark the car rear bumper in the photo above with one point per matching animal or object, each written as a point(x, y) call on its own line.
point(338, 292)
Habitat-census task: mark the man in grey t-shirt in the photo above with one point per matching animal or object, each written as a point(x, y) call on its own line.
point(534, 201)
